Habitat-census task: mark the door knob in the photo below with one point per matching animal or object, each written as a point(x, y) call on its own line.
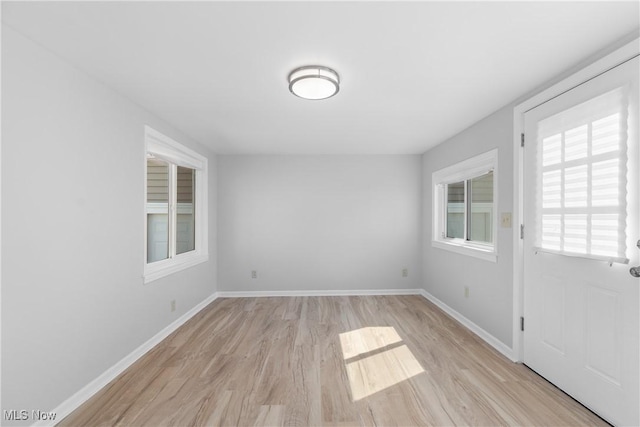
point(635, 271)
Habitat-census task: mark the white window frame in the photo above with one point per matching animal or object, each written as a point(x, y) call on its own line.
point(163, 147)
point(463, 171)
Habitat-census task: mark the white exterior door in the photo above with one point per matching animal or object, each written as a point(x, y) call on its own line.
point(581, 304)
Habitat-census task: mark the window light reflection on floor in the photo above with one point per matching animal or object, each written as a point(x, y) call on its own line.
point(376, 359)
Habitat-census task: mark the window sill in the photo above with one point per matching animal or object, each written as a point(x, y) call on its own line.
point(160, 269)
point(487, 254)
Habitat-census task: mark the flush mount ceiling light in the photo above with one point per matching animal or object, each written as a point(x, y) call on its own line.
point(314, 82)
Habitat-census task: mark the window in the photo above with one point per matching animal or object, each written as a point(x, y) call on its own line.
point(581, 173)
point(464, 207)
point(175, 206)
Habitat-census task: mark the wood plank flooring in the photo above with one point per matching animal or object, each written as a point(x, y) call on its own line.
point(338, 361)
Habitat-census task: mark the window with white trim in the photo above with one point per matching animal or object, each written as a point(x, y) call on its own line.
point(175, 206)
point(582, 184)
point(464, 207)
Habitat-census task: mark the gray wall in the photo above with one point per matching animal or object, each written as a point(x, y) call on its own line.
point(319, 222)
point(446, 274)
point(73, 299)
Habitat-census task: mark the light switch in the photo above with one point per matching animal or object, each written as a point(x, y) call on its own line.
point(505, 220)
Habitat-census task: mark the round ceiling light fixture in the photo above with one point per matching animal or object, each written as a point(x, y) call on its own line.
point(314, 82)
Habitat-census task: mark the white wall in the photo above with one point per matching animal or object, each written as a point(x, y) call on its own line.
point(318, 222)
point(73, 300)
point(446, 274)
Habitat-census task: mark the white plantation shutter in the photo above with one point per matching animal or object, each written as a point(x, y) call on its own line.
point(582, 187)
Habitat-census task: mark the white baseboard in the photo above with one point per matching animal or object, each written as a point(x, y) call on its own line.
point(484, 335)
point(334, 293)
point(72, 403)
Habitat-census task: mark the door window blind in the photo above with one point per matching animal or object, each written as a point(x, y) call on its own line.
point(582, 184)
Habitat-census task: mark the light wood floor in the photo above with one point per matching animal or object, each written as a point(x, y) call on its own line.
point(303, 361)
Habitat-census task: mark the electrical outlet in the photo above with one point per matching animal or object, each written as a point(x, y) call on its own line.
point(466, 292)
point(254, 274)
point(405, 272)
point(173, 305)
point(505, 220)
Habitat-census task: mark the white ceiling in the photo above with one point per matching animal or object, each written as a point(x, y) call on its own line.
point(413, 73)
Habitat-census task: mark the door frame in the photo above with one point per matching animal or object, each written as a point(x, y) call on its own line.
point(595, 68)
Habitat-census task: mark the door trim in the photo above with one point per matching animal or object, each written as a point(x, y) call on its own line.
point(617, 57)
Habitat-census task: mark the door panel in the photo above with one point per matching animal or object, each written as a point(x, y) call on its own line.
point(581, 308)
point(553, 313)
point(603, 333)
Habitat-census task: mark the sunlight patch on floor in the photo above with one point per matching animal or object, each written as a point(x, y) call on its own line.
point(365, 340)
point(376, 359)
